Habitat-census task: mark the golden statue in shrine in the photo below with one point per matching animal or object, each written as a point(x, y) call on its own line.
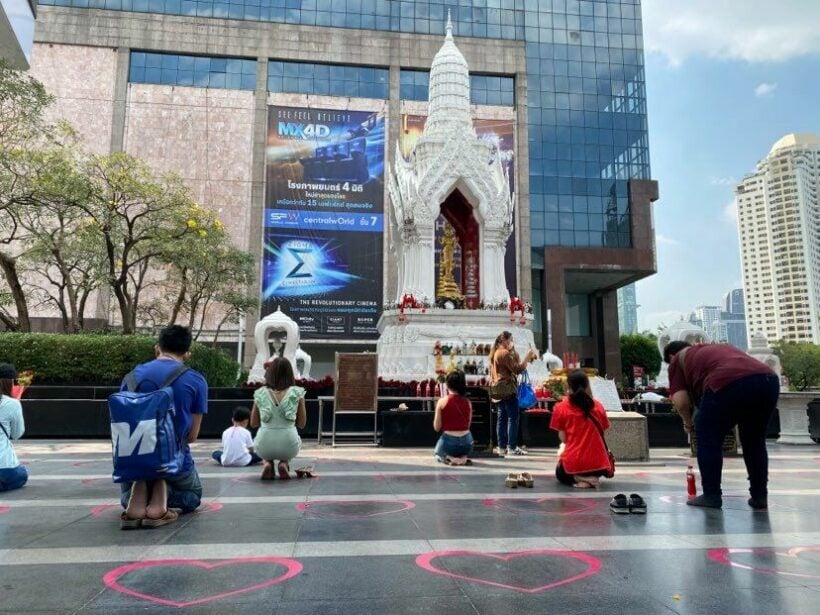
point(447, 287)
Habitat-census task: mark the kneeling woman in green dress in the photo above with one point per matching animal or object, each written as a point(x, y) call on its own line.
point(278, 409)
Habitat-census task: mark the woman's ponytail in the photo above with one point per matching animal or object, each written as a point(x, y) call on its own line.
point(578, 384)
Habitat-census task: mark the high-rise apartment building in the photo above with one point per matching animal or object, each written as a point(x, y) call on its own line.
point(707, 317)
point(779, 225)
point(17, 31)
point(214, 90)
point(628, 310)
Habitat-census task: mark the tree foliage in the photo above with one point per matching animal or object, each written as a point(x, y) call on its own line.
point(72, 223)
point(642, 351)
point(800, 363)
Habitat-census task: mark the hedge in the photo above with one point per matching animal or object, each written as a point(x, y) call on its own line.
point(101, 359)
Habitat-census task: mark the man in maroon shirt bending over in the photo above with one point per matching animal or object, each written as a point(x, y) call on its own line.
point(728, 388)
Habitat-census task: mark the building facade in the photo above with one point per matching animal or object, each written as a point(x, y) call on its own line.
point(559, 84)
point(733, 302)
point(628, 310)
point(17, 19)
point(779, 227)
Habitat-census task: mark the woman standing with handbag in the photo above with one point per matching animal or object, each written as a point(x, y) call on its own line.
point(580, 422)
point(505, 365)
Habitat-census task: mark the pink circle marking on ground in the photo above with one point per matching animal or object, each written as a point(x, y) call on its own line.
point(313, 508)
point(584, 504)
point(593, 565)
point(112, 577)
point(207, 507)
point(724, 556)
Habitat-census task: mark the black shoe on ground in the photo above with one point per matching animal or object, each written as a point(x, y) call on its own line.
point(706, 501)
point(619, 504)
point(758, 503)
point(637, 505)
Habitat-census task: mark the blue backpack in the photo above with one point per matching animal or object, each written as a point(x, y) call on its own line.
point(144, 441)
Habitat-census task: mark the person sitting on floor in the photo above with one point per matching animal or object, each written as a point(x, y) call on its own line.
point(151, 503)
point(278, 409)
point(237, 442)
point(452, 418)
point(580, 421)
point(13, 474)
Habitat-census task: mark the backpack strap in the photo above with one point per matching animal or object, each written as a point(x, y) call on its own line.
point(132, 384)
point(174, 375)
point(3, 427)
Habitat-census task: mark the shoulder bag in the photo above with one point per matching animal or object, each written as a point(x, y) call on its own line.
point(611, 472)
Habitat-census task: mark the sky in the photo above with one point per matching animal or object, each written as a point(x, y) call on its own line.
point(725, 80)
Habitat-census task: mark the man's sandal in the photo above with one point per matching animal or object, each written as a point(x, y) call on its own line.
point(169, 517)
point(127, 523)
point(305, 472)
point(511, 481)
point(525, 480)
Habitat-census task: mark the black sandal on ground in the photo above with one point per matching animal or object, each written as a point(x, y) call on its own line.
point(637, 505)
point(619, 505)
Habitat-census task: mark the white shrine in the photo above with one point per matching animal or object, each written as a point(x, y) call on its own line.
point(456, 181)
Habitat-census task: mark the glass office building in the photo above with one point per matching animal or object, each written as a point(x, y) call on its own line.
point(583, 104)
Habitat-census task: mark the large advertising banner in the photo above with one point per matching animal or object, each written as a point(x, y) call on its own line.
point(324, 220)
point(500, 134)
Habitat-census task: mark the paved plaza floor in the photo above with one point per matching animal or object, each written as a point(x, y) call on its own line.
point(389, 531)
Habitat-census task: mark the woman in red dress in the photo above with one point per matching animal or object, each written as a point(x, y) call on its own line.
point(582, 458)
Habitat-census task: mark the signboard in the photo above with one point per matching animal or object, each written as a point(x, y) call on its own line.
point(324, 220)
point(637, 371)
point(606, 392)
point(500, 134)
point(357, 382)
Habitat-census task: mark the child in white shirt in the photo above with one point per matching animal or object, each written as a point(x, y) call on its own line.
point(237, 443)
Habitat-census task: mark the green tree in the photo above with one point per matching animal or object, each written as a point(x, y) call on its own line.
point(23, 101)
point(800, 363)
point(60, 250)
point(144, 221)
point(642, 351)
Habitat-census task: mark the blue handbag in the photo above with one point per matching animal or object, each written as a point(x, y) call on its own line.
point(526, 394)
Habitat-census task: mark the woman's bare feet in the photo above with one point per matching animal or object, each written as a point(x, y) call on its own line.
point(586, 482)
point(158, 504)
point(284, 470)
point(267, 470)
point(138, 501)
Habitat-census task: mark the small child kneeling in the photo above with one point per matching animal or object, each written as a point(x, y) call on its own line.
point(237, 443)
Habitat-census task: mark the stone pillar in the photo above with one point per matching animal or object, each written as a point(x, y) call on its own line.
point(794, 418)
point(119, 115)
point(391, 266)
point(555, 300)
point(522, 190)
point(257, 204)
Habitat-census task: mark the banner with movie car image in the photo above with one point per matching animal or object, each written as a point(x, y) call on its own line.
point(324, 220)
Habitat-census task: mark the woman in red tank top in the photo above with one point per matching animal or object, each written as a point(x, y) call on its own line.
point(583, 457)
point(452, 418)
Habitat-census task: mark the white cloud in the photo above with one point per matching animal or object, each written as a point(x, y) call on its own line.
point(730, 212)
point(666, 240)
point(723, 181)
point(750, 30)
point(764, 89)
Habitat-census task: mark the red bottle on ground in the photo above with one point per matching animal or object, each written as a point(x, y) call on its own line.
point(427, 388)
point(691, 487)
point(418, 389)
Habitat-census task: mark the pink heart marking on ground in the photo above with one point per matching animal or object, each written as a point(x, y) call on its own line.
point(112, 577)
point(4, 509)
point(593, 564)
point(313, 508)
point(501, 504)
point(724, 556)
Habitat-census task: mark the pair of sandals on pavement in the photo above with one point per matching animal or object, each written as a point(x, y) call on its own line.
point(621, 505)
point(140, 514)
point(283, 469)
point(519, 479)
